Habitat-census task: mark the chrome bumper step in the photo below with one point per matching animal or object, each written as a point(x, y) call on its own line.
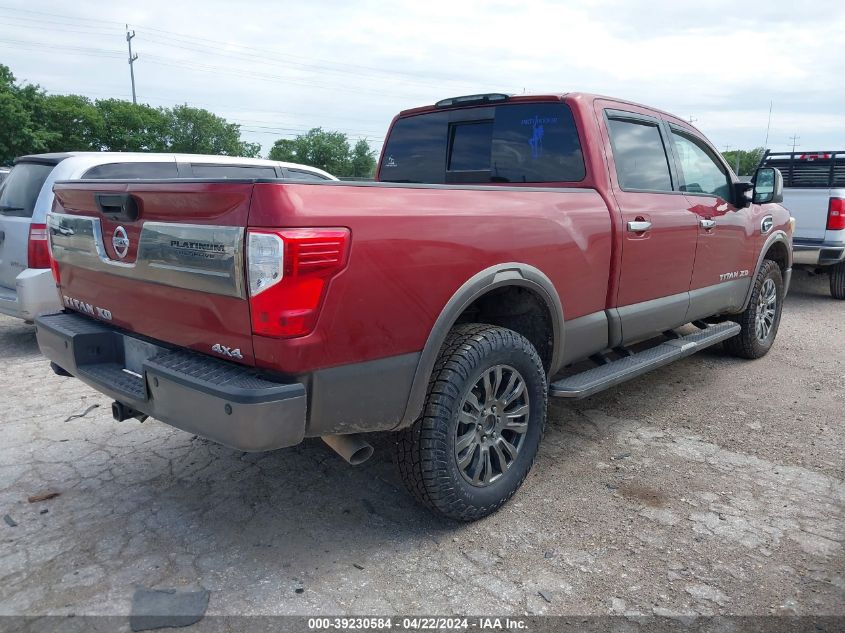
point(603, 377)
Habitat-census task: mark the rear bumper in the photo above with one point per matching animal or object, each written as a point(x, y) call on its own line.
point(807, 253)
point(221, 401)
point(34, 294)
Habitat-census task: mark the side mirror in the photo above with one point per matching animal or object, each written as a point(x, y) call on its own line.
point(768, 185)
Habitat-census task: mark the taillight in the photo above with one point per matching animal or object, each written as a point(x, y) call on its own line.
point(38, 250)
point(288, 272)
point(836, 214)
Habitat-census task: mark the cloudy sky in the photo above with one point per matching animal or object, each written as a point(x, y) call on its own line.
point(279, 68)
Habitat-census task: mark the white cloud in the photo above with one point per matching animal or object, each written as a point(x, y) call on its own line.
point(282, 67)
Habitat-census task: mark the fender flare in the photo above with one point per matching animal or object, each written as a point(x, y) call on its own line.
point(777, 236)
point(498, 276)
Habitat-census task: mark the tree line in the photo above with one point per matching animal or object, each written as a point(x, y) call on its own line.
point(34, 122)
point(744, 162)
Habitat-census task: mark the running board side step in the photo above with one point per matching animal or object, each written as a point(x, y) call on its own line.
point(616, 372)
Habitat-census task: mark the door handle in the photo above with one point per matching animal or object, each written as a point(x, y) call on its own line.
point(639, 226)
point(706, 223)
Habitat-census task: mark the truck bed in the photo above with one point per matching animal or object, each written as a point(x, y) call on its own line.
point(182, 279)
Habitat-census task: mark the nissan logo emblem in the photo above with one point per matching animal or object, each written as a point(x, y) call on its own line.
point(120, 242)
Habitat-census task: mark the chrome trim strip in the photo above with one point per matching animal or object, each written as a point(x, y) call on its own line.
point(78, 241)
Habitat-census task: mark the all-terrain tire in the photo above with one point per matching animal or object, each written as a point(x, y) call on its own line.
point(748, 343)
point(837, 281)
point(426, 452)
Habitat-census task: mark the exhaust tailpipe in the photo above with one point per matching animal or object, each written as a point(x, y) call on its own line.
point(353, 448)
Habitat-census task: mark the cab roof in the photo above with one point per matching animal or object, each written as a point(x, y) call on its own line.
point(530, 98)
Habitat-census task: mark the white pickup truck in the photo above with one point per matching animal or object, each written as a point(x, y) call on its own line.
point(814, 193)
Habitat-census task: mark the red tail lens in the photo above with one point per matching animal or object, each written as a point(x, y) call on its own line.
point(836, 214)
point(288, 272)
point(38, 250)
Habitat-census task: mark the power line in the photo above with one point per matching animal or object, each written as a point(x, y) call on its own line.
point(211, 46)
point(165, 61)
point(81, 50)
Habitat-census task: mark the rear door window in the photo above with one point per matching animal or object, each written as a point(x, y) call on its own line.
point(518, 143)
point(21, 187)
point(233, 171)
point(296, 174)
point(133, 171)
point(639, 155)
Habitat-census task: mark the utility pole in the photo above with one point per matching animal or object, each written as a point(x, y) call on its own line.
point(132, 58)
point(794, 139)
point(691, 120)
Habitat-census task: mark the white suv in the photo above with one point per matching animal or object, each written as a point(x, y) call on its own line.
point(27, 288)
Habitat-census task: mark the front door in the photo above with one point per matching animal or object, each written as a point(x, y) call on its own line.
point(659, 230)
point(725, 257)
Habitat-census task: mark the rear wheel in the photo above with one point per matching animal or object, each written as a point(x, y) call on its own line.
point(481, 426)
point(837, 281)
point(761, 318)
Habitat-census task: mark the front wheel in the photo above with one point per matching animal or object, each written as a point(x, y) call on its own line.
point(837, 281)
point(481, 426)
point(761, 318)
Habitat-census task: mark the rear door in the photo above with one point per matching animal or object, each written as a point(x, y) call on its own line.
point(18, 195)
point(659, 229)
point(163, 259)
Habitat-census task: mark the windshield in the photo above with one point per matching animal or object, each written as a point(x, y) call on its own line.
point(517, 143)
point(21, 187)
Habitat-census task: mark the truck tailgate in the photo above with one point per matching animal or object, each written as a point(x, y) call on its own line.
point(164, 260)
point(809, 208)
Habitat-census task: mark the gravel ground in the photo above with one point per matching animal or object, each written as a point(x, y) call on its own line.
point(712, 486)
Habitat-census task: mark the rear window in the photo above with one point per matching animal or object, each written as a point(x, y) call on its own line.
point(809, 170)
point(21, 187)
point(233, 171)
point(519, 143)
point(132, 171)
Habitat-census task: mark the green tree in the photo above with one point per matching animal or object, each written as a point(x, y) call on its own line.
point(127, 127)
point(20, 131)
point(363, 160)
point(318, 148)
point(73, 121)
point(32, 122)
point(326, 150)
point(748, 160)
point(198, 131)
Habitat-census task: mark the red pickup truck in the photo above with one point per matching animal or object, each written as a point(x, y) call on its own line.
point(514, 248)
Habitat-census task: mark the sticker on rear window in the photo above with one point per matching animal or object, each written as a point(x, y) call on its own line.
point(538, 130)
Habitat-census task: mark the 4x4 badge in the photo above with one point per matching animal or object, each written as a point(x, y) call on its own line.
point(227, 351)
point(120, 241)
